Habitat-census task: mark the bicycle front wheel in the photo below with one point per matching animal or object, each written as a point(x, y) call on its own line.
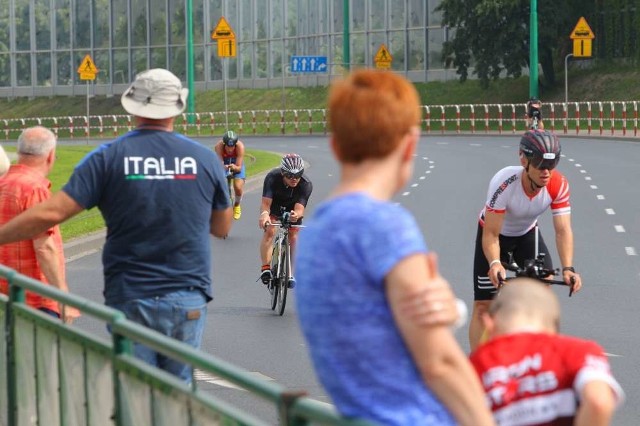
point(274, 287)
point(283, 278)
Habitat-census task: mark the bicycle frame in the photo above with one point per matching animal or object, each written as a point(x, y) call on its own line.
point(280, 267)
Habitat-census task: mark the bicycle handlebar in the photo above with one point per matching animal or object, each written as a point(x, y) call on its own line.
point(534, 269)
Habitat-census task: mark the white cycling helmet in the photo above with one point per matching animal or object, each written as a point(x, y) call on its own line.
point(292, 164)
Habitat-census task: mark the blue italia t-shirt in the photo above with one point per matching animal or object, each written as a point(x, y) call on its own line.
point(343, 256)
point(156, 191)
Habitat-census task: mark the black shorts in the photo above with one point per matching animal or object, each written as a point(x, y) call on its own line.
point(522, 247)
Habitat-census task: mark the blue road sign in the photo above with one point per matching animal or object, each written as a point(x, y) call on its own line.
point(308, 64)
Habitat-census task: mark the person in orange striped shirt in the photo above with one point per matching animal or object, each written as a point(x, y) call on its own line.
point(24, 186)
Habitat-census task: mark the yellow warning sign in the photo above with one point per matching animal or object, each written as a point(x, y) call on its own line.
point(582, 48)
point(582, 30)
point(87, 69)
point(227, 48)
point(383, 58)
point(223, 31)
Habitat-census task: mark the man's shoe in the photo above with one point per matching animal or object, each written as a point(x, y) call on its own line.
point(265, 276)
point(291, 283)
point(237, 212)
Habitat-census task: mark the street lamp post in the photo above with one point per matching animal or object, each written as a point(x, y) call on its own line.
point(533, 50)
point(191, 99)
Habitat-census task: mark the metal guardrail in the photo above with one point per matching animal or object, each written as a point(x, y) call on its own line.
point(55, 374)
point(613, 118)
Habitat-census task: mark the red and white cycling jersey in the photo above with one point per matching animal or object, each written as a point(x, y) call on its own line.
point(537, 378)
point(521, 212)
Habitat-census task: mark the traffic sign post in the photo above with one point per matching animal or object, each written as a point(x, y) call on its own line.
point(582, 37)
point(383, 58)
point(87, 71)
point(226, 38)
point(308, 64)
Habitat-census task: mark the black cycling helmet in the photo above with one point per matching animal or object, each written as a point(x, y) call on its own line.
point(541, 148)
point(292, 164)
point(230, 138)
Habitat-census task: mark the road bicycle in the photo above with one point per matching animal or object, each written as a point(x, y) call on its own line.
point(230, 179)
point(281, 263)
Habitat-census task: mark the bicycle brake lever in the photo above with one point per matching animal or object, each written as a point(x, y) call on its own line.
point(573, 282)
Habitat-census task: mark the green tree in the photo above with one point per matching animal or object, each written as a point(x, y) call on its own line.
point(492, 36)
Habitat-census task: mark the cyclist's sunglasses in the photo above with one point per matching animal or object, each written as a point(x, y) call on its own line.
point(293, 175)
point(548, 161)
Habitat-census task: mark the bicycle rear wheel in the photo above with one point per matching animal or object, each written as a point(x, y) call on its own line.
point(283, 277)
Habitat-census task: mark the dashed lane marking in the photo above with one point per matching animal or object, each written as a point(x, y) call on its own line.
point(631, 251)
point(613, 355)
point(610, 211)
point(600, 197)
point(578, 165)
point(404, 194)
point(415, 185)
point(583, 171)
point(423, 177)
point(619, 228)
point(594, 187)
point(587, 178)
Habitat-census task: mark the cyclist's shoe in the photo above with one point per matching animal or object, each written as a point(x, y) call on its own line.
point(265, 275)
point(291, 283)
point(237, 212)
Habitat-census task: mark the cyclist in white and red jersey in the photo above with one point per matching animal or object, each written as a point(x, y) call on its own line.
point(534, 376)
point(231, 152)
point(516, 198)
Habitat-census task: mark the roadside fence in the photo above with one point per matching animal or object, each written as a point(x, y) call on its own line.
point(610, 118)
point(61, 375)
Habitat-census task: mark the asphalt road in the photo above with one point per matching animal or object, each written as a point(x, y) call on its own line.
point(446, 194)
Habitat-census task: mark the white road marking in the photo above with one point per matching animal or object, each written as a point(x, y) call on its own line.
point(203, 376)
point(587, 178)
point(631, 251)
point(475, 144)
point(431, 162)
point(428, 171)
point(570, 159)
point(583, 171)
point(425, 158)
point(404, 194)
point(414, 185)
point(610, 211)
point(619, 228)
point(612, 355)
point(600, 197)
point(423, 177)
point(442, 143)
point(431, 167)
point(594, 187)
point(578, 165)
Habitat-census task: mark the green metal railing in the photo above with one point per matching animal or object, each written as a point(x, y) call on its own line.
point(55, 374)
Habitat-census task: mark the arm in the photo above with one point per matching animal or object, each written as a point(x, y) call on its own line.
point(220, 223)
point(39, 218)
point(265, 206)
point(237, 167)
point(439, 359)
point(597, 403)
point(51, 263)
point(297, 213)
point(491, 244)
point(564, 243)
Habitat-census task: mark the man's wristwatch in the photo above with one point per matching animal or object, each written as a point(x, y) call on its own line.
point(569, 268)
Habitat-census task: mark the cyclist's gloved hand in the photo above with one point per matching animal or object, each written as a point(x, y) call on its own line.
point(293, 216)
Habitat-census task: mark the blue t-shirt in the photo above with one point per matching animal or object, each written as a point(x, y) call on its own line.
point(156, 191)
point(343, 256)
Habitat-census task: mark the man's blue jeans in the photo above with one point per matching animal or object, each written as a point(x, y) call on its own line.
point(181, 315)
